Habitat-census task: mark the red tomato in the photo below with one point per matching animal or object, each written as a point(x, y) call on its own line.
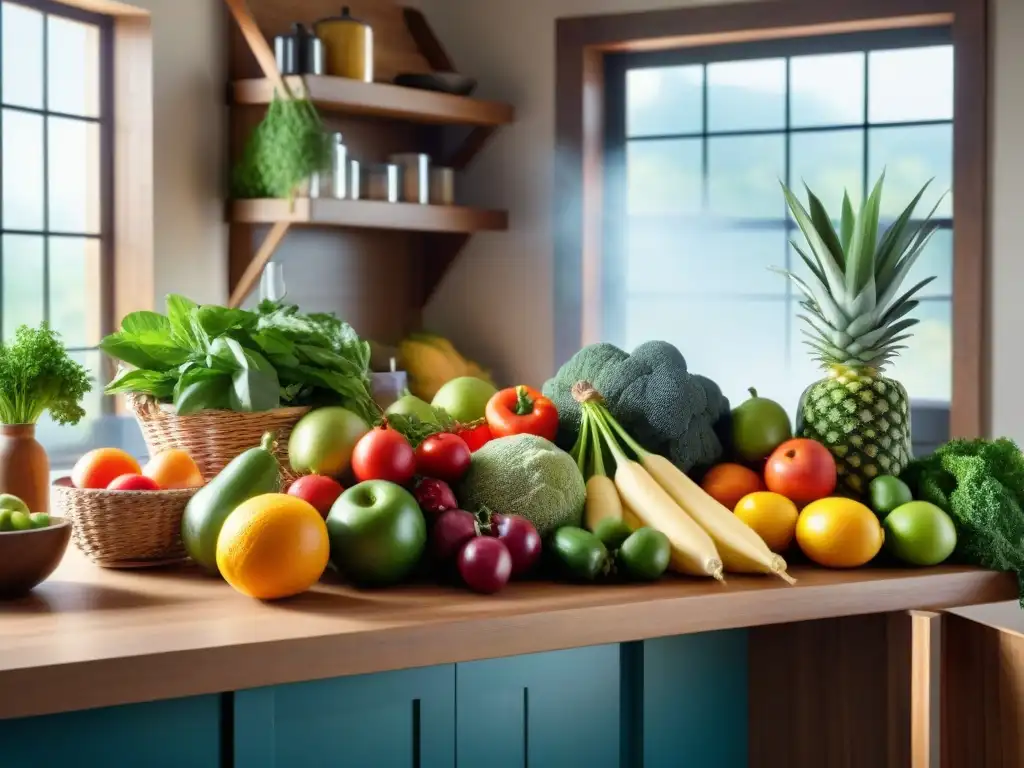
point(476, 437)
point(384, 454)
point(132, 482)
point(319, 490)
point(443, 456)
point(802, 470)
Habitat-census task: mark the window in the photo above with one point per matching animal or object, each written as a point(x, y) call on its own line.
point(55, 207)
point(698, 141)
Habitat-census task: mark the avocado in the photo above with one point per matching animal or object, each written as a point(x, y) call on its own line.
point(249, 474)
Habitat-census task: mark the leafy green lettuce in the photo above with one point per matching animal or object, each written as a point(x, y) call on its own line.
point(212, 357)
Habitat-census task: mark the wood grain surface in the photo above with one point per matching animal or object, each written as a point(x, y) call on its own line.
point(90, 637)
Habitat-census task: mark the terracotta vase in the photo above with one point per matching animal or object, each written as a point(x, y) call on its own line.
point(24, 466)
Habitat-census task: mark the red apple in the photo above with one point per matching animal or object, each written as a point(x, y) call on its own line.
point(384, 454)
point(802, 470)
point(319, 490)
point(131, 482)
point(444, 456)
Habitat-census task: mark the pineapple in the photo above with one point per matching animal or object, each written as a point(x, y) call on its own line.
point(855, 322)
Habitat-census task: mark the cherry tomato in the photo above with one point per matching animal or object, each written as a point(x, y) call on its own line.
point(384, 454)
point(476, 437)
point(319, 490)
point(444, 456)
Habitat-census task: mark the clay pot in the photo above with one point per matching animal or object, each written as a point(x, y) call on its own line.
point(24, 466)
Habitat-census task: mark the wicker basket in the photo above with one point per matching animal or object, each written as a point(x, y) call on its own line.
point(214, 438)
point(124, 529)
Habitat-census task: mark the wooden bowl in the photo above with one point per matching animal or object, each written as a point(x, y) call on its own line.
point(27, 558)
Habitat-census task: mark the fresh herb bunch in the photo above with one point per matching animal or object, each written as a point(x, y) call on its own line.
point(416, 430)
point(38, 375)
point(286, 148)
point(211, 357)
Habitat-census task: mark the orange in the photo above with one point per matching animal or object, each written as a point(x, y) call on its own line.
point(273, 546)
point(173, 469)
point(772, 516)
point(99, 467)
point(728, 483)
point(839, 533)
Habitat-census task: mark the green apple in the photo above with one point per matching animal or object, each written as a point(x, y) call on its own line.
point(465, 398)
point(919, 533)
point(377, 533)
point(759, 426)
point(11, 502)
point(410, 405)
point(323, 440)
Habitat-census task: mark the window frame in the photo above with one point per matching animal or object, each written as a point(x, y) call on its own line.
point(105, 121)
point(583, 43)
point(616, 139)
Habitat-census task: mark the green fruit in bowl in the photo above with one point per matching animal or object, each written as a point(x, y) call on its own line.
point(759, 426)
point(410, 405)
point(40, 520)
point(886, 493)
point(465, 398)
point(919, 533)
point(21, 521)
point(12, 503)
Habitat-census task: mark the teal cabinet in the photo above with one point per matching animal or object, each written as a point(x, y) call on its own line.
point(692, 692)
point(401, 719)
point(159, 734)
point(545, 710)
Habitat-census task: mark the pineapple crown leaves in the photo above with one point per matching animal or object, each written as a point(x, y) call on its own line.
point(854, 315)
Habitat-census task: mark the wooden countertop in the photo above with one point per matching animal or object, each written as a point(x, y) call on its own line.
point(90, 637)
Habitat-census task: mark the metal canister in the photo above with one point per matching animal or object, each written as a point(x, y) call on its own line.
point(442, 186)
point(339, 167)
point(415, 176)
point(382, 182)
point(314, 56)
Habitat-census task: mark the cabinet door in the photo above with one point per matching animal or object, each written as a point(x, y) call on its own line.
point(159, 734)
point(693, 698)
point(403, 719)
point(545, 710)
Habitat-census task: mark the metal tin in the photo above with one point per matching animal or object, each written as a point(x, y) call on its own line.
point(314, 57)
point(339, 167)
point(415, 176)
point(288, 51)
point(355, 180)
point(382, 182)
point(442, 186)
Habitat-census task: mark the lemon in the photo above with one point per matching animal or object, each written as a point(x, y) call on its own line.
point(839, 533)
point(273, 546)
point(772, 516)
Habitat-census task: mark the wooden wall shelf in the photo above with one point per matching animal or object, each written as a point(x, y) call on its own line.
point(368, 214)
point(395, 102)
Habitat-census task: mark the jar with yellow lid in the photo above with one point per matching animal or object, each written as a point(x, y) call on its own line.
point(349, 44)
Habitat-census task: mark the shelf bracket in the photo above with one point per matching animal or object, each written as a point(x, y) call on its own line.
point(251, 275)
point(441, 249)
point(469, 147)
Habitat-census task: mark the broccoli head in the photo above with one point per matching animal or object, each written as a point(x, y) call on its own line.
point(667, 409)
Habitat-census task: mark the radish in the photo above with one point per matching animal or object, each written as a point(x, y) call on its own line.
point(485, 565)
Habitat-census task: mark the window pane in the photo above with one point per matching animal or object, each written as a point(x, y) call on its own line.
point(910, 84)
point(79, 438)
point(826, 90)
point(74, 171)
point(910, 156)
point(22, 170)
point(926, 367)
point(75, 290)
point(937, 260)
point(670, 258)
point(22, 294)
point(21, 47)
point(743, 176)
point(744, 95)
point(73, 77)
point(753, 332)
point(664, 100)
point(829, 162)
point(663, 176)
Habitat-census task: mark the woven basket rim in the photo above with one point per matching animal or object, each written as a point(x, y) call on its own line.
point(65, 484)
point(146, 403)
